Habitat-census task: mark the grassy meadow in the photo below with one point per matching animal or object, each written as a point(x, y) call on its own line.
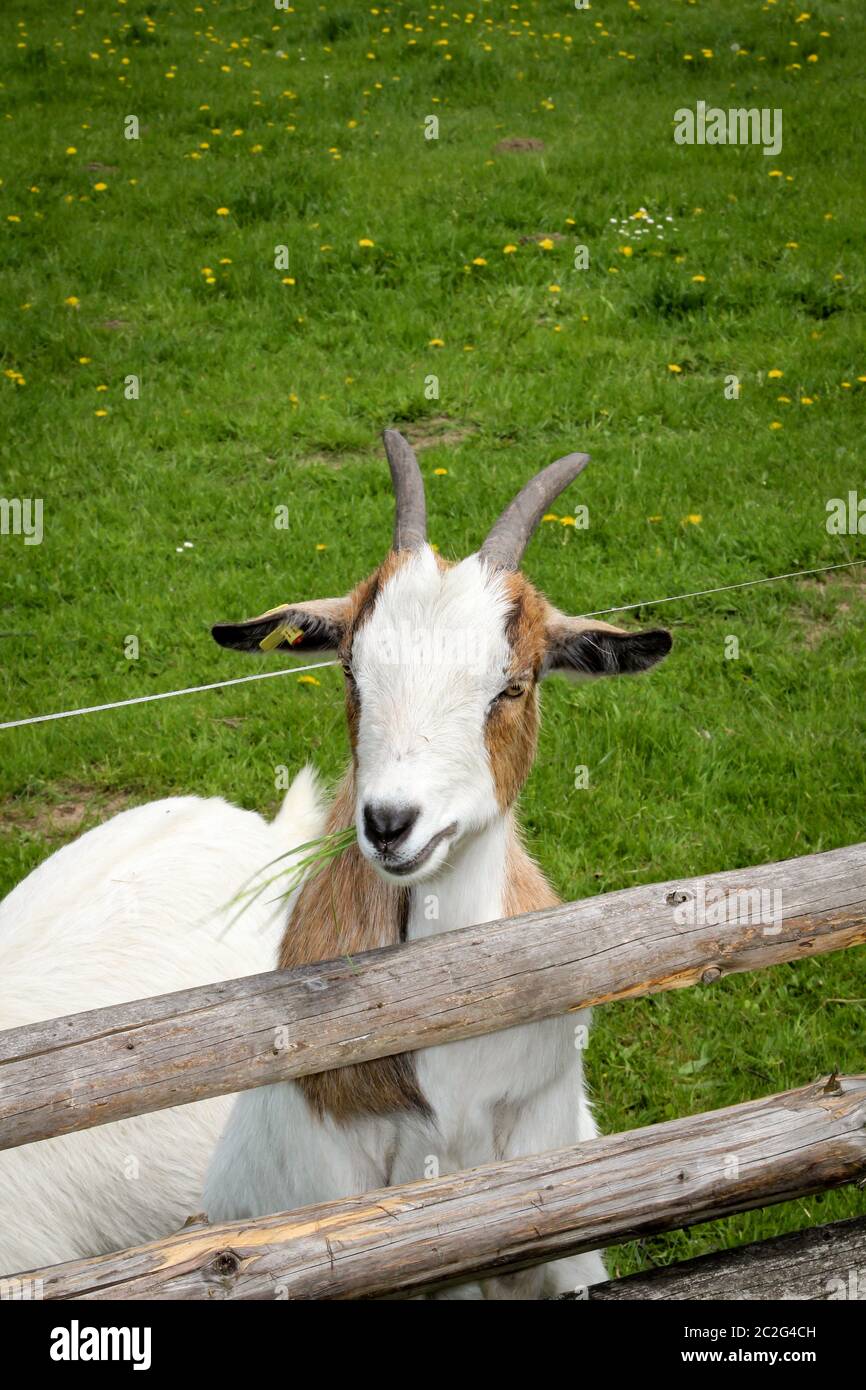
point(171, 376)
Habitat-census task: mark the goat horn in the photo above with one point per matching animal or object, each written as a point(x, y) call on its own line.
point(510, 535)
point(410, 518)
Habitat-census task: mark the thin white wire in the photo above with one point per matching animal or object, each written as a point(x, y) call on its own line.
point(723, 589)
point(297, 670)
point(163, 695)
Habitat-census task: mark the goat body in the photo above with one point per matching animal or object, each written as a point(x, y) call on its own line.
point(139, 906)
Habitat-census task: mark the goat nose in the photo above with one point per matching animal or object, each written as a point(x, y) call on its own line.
point(387, 826)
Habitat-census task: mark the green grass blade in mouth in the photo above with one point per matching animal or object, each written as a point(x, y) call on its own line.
point(320, 852)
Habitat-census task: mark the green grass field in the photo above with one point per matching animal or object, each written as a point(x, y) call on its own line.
point(411, 258)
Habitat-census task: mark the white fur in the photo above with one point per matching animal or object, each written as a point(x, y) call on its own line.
point(137, 907)
point(428, 662)
point(505, 1095)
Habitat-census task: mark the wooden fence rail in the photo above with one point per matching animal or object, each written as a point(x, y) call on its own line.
point(503, 1216)
point(104, 1065)
point(816, 1265)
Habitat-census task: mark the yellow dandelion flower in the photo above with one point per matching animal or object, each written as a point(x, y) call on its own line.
point(792, 245)
point(100, 187)
point(320, 546)
point(436, 342)
point(222, 212)
point(566, 521)
point(786, 400)
point(308, 680)
point(653, 518)
point(775, 174)
point(776, 425)
point(806, 400)
point(546, 244)
point(550, 516)
point(553, 289)
point(672, 367)
point(626, 250)
point(84, 361)
point(440, 472)
point(693, 519)
point(288, 280)
point(100, 413)
point(365, 241)
point(699, 279)
point(225, 260)
point(479, 260)
point(13, 217)
point(509, 250)
point(774, 373)
point(72, 300)
point(70, 149)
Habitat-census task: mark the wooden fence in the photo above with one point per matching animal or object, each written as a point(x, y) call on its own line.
point(96, 1067)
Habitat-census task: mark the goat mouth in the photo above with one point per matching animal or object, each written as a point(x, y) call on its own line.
point(401, 867)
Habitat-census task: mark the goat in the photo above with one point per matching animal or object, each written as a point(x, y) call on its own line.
point(442, 664)
point(138, 906)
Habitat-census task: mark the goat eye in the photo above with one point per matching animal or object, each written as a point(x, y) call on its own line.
point(515, 690)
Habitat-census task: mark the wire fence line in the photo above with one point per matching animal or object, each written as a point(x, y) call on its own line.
point(319, 665)
point(162, 695)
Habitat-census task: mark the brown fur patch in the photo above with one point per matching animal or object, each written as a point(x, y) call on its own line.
point(511, 734)
point(343, 910)
point(526, 888)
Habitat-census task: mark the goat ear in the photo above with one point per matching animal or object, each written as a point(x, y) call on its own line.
point(317, 626)
point(583, 650)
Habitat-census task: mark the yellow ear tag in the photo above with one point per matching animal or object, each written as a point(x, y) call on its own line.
point(283, 633)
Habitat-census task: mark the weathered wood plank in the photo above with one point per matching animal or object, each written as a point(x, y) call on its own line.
point(106, 1064)
point(503, 1216)
point(816, 1265)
